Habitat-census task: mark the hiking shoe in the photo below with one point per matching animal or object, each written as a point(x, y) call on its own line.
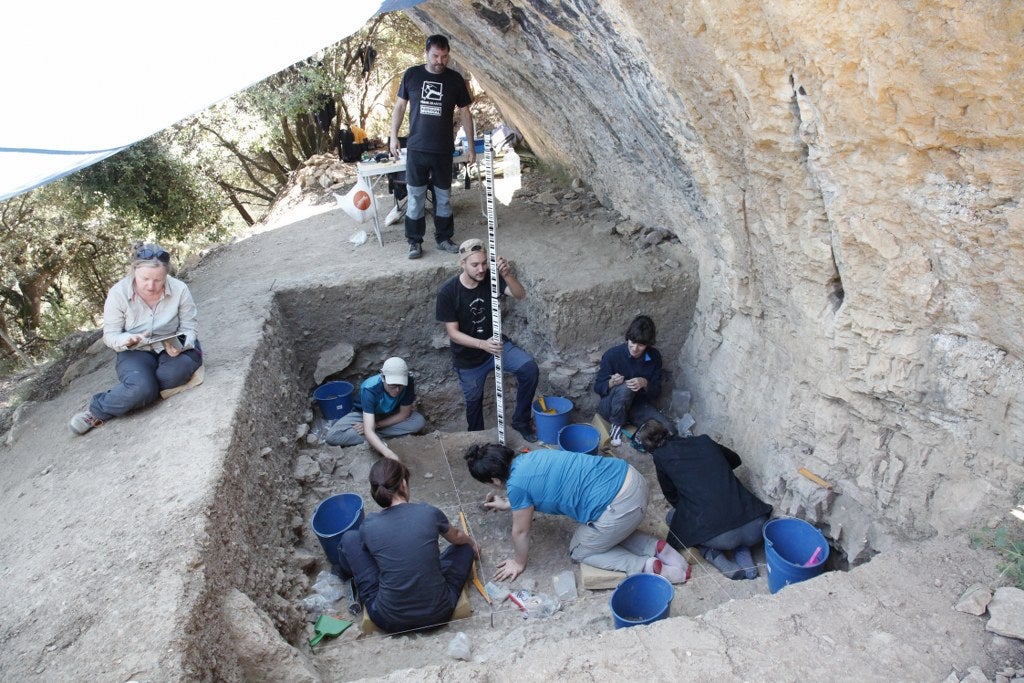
point(83, 422)
point(415, 250)
point(528, 434)
point(448, 246)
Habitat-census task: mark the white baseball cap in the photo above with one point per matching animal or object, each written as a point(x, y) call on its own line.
point(395, 371)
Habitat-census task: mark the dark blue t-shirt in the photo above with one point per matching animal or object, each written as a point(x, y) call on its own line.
point(403, 541)
point(432, 102)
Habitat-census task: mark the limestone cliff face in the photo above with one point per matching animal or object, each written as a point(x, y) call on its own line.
point(849, 177)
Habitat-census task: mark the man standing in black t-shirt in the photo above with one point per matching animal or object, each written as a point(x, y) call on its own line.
point(431, 92)
point(464, 306)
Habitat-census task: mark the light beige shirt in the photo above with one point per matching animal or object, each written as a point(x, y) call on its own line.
point(125, 314)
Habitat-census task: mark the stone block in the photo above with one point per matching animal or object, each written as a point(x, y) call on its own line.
point(1007, 613)
point(974, 600)
point(595, 579)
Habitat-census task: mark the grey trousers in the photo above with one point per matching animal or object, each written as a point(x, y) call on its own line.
point(612, 541)
point(342, 434)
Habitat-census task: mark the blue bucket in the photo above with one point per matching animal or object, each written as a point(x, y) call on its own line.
point(641, 599)
point(579, 438)
point(332, 518)
point(334, 399)
point(789, 544)
point(549, 424)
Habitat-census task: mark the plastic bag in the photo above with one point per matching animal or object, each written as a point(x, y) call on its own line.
point(459, 648)
point(357, 202)
point(534, 606)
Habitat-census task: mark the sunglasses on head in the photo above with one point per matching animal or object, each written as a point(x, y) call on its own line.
point(147, 254)
point(470, 250)
point(635, 441)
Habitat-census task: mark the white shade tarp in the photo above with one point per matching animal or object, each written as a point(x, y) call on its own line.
point(82, 81)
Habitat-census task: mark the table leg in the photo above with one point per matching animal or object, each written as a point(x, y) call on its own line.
point(372, 182)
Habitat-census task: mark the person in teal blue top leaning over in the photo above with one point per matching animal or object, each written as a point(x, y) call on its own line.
point(385, 408)
point(606, 496)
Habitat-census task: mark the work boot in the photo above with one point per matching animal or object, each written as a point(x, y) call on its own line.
point(83, 422)
point(448, 246)
point(527, 433)
point(415, 250)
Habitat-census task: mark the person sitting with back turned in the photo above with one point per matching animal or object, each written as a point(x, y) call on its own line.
point(464, 306)
point(629, 378)
point(711, 509)
point(147, 304)
point(606, 496)
point(385, 408)
point(404, 581)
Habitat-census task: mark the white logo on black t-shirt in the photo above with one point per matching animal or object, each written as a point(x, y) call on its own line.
point(432, 91)
point(431, 95)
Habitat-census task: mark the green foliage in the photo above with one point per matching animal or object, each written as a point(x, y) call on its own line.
point(249, 144)
point(63, 245)
point(1009, 544)
point(153, 189)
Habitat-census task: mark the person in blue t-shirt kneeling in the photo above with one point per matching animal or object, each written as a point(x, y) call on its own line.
point(385, 408)
point(607, 497)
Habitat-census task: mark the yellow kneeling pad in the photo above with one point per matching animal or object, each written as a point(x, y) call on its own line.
point(463, 609)
point(194, 381)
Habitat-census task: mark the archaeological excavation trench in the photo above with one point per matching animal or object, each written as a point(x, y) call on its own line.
point(263, 557)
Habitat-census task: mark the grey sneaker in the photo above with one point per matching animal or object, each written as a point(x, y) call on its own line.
point(448, 246)
point(416, 250)
point(83, 422)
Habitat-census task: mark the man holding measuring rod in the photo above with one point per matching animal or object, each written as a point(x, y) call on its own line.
point(464, 306)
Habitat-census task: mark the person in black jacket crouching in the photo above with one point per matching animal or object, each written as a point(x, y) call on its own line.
point(711, 509)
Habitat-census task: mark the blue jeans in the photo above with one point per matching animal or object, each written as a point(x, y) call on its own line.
point(515, 361)
point(618, 406)
point(357, 562)
point(143, 375)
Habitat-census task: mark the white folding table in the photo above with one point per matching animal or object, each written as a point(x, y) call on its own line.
point(373, 171)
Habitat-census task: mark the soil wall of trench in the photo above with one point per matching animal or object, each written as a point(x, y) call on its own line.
point(253, 569)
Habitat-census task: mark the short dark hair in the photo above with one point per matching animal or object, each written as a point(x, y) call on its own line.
point(386, 477)
point(438, 41)
point(641, 331)
point(487, 461)
point(652, 435)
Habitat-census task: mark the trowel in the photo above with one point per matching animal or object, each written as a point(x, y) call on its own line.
point(328, 626)
point(544, 407)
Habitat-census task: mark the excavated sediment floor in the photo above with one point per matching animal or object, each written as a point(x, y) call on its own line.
point(174, 543)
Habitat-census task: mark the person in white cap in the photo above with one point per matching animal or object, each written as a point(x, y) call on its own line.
point(384, 408)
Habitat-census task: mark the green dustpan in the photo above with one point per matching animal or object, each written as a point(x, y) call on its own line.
point(328, 626)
